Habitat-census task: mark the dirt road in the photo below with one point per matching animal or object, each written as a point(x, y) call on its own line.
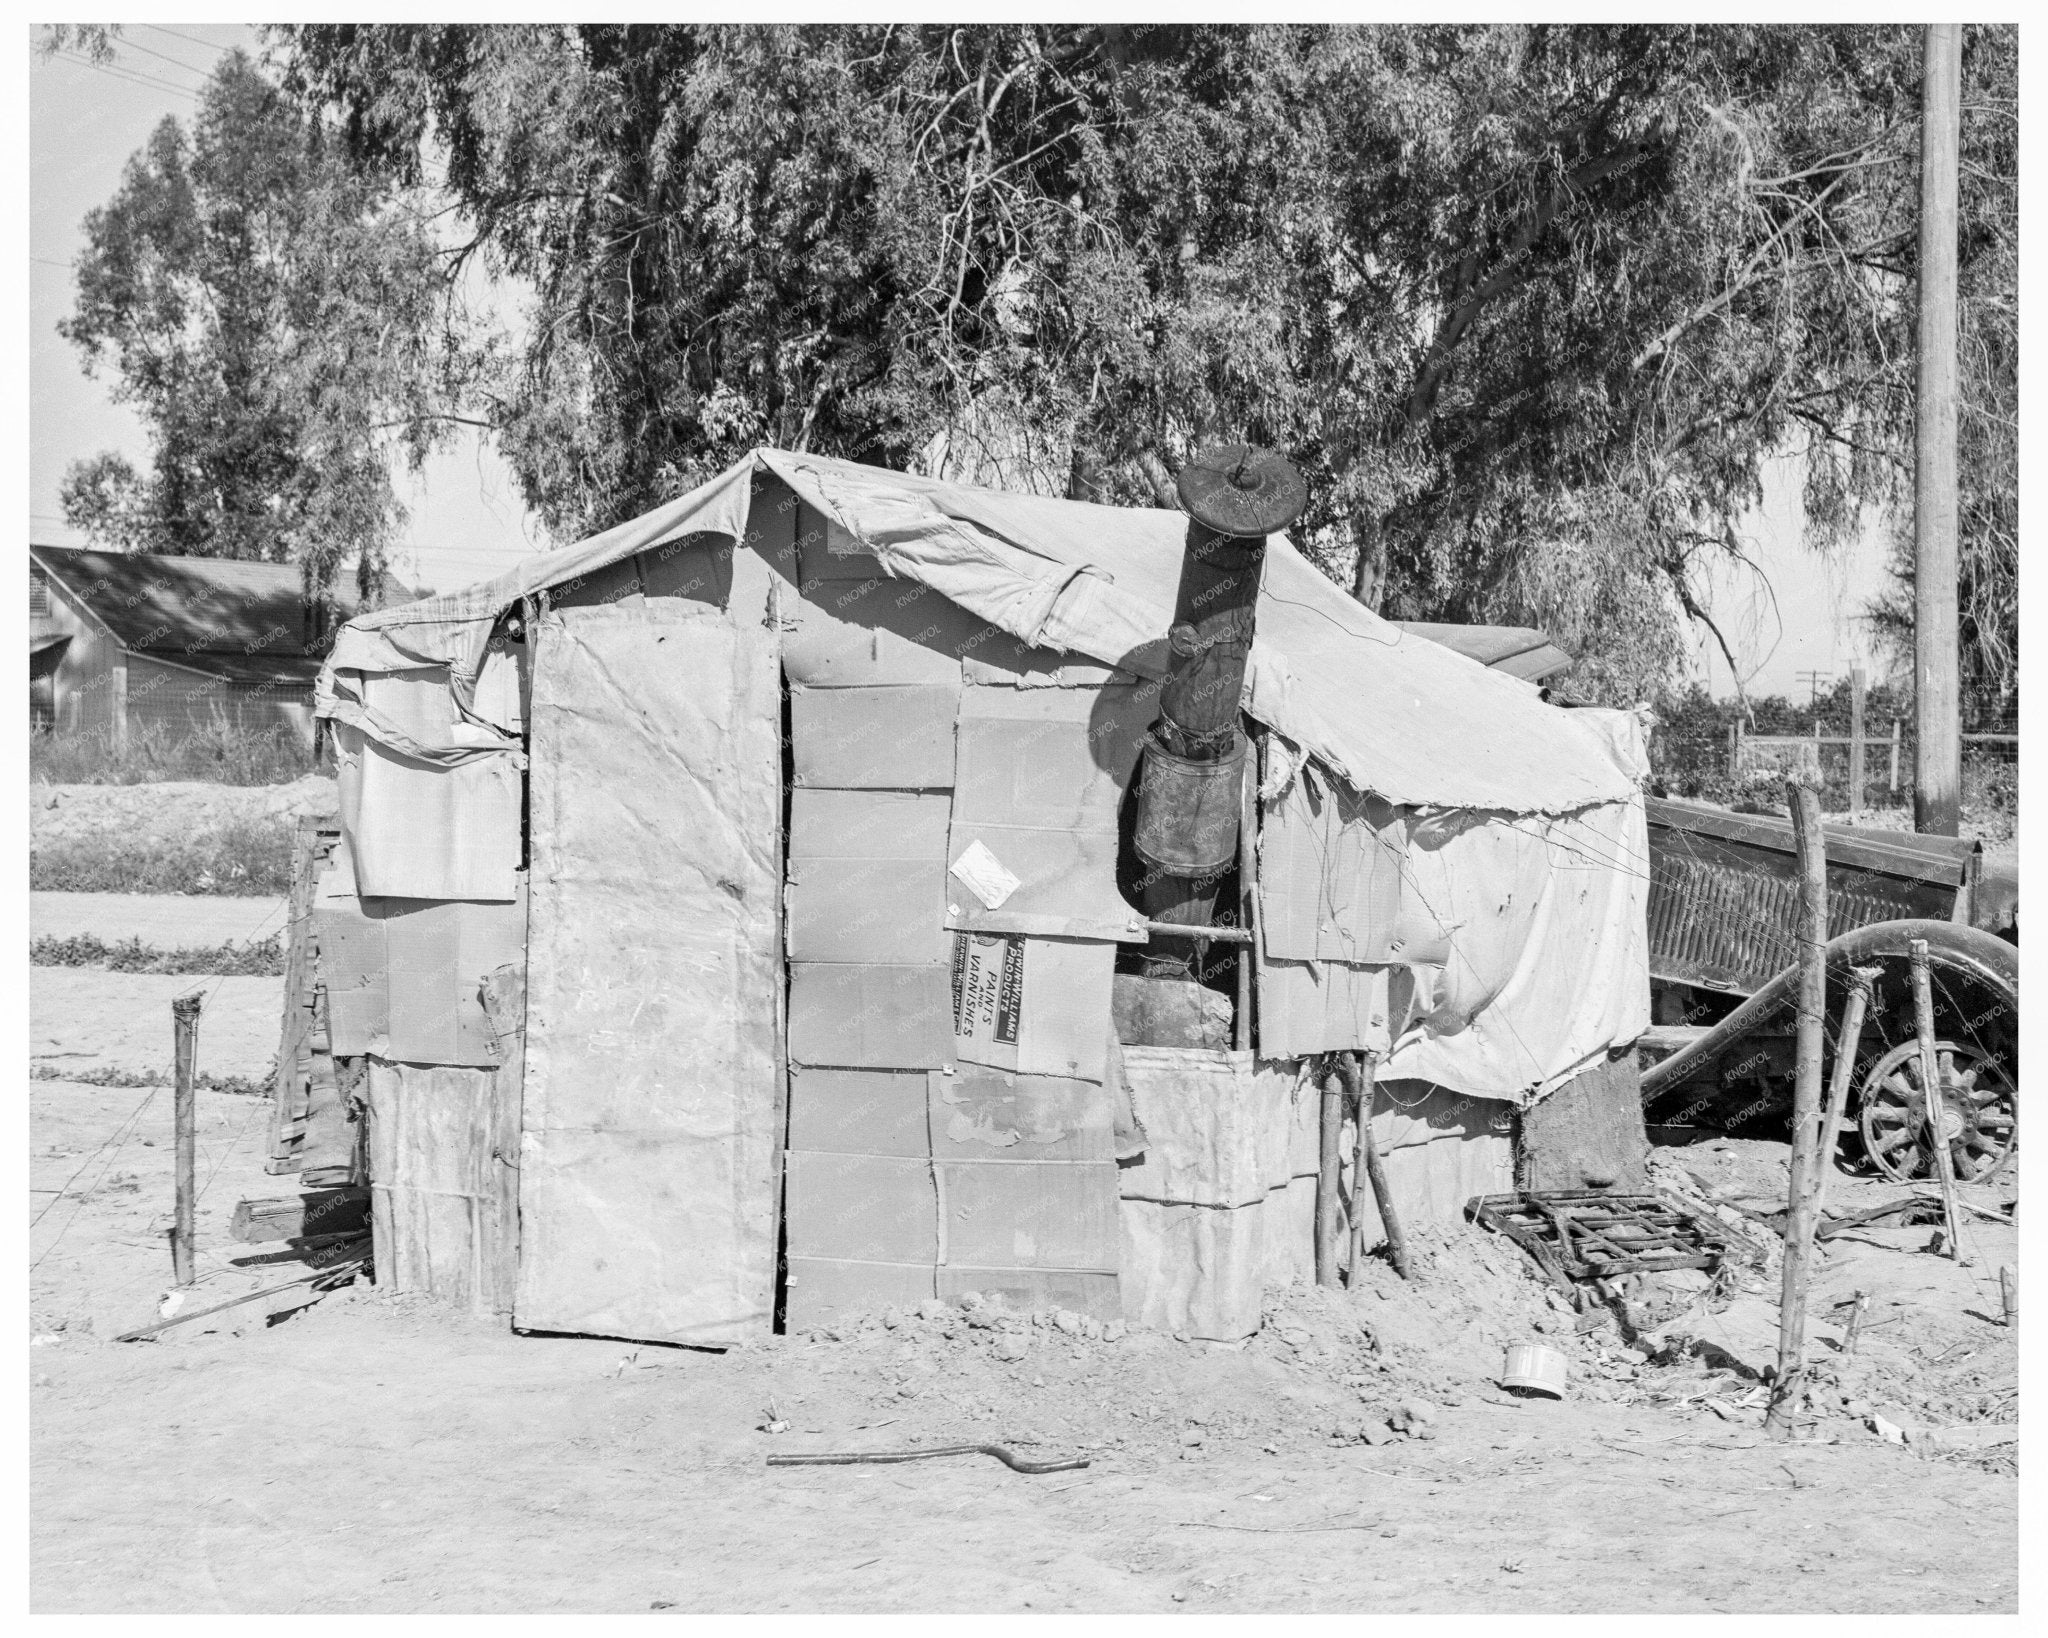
point(375, 1454)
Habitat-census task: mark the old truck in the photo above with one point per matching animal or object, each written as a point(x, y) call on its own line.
point(1722, 915)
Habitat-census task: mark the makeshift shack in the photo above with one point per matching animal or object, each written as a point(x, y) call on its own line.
point(733, 920)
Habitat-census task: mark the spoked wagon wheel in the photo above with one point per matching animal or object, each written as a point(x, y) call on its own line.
point(1976, 1113)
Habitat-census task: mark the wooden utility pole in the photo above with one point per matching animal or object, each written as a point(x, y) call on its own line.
point(1811, 1041)
point(1938, 752)
point(185, 1128)
point(1855, 741)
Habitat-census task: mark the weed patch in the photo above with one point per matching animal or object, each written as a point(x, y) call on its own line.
point(243, 858)
point(240, 1085)
point(262, 958)
point(218, 751)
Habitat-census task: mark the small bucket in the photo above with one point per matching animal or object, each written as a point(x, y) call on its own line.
point(1533, 1368)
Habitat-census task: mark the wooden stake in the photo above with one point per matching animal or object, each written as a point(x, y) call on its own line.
point(185, 1124)
point(1813, 1000)
point(1328, 1160)
point(1936, 1105)
point(1366, 1169)
point(1860, 981)
point(1856, 771)
point(1857, 1310)
point(2009, 1296)
point(1938, 746)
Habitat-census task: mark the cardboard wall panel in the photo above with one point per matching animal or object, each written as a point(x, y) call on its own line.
point(978, 1113)
point(874, 738)
point(1026, 1214)
point(829, 824)
point(868, 910)
point(833, 639)
point(867, 1208)
point(860, 1111)
point(437, 955)
point(1040, 776)
point(881, 1017)
point(1084, 1291)
point(825, 1289)
point(1330, 874)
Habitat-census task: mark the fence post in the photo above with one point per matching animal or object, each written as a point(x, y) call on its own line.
point(1855, 741)
point(1735, 748)
point(1895, 756)
point(1789, 1384)
point(185, 1128)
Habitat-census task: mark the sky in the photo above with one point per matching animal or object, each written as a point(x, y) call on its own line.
point(467, 522)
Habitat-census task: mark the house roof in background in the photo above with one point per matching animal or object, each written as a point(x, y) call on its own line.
point(254, 670)
point(190, 605)
point(1520, 651)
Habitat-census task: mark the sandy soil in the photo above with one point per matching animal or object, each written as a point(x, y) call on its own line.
point(374, 1453)
point(171, 807)
point(83, 1019)
point(167, 921)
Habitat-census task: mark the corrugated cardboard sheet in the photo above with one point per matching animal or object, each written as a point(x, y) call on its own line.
point(653, 1071)
point(443, 1201)
point(1439, 1148)
point(1330, 874)
point(1041, 773)
point(420, 829)
point(1213, 1216)
point(1306, 1007)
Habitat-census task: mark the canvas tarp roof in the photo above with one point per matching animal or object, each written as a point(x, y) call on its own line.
point(1390, 712)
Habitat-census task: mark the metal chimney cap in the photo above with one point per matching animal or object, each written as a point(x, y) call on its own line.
point(1242, 490)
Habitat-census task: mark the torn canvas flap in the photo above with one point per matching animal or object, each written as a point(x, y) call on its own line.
point(1548, 950)
point(426, 830)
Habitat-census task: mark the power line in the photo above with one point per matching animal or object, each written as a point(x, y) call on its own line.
point(131, 76)
point(189, 39)
point(137, 45)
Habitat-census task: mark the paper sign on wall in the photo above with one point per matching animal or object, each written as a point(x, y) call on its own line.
point(988, 997)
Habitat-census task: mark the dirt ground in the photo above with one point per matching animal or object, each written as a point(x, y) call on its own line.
point(372, 1452)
